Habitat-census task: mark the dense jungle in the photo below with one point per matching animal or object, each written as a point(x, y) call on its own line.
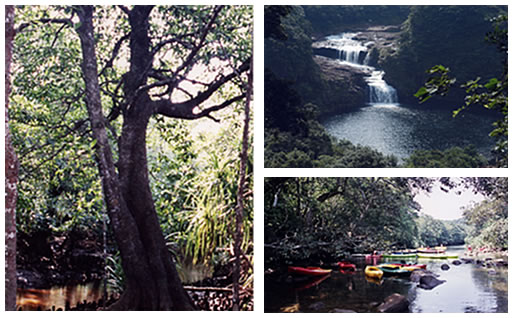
point(386, 86)
point(129, 166)
point(323, 234)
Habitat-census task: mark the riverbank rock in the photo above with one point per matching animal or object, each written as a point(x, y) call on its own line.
point(467, 260)
point(425, 279)
point(456, 262)
point(429, 282)
point(394, 303)
point(416, 274)
point(445, 267)
point(500, 262)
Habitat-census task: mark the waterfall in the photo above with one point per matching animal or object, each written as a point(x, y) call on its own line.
point(349, 52)
point(379, 91)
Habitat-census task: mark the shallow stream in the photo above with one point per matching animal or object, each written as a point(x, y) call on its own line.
point(468, 288)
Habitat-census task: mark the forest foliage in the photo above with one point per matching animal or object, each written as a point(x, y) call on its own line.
point(491, 94)
point(192, 165)
point(453, 36)
point(312, 219)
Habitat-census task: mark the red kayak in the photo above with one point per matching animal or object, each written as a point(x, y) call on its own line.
point(346, 266)
point(313, 271)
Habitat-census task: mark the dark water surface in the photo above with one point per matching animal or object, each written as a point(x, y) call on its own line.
point(397, 129)
point(58, 297)
point(468, 288)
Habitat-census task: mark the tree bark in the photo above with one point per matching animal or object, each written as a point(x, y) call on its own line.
point(11, 174)
point(152, 282)
point(240, 198)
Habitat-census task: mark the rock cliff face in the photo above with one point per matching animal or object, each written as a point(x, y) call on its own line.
point(380, 41)
point(345, 86)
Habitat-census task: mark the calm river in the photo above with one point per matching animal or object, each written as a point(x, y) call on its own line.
point(468, 288)
point(399, 130)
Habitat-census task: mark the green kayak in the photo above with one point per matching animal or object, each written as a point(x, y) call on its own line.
point(392, 270)
point(436, 255)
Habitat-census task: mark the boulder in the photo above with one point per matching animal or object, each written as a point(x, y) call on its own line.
point(394, 303)
point(445, 267)
point(416, 274)
point(456, 262)
point(500, 262)
point(429, 282)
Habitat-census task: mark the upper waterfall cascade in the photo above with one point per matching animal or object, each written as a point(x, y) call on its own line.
point(356, 54)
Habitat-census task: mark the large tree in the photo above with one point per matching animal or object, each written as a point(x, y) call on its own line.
point(167, 49)
point(11, 174)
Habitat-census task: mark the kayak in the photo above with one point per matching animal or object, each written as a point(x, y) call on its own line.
point(411, 267)
point(313, 271)
point(394, 271)
point(346, 266)
point(391, 270)
point(374, 280)
point(436, 255)
point(400, 255)
point(431, 250)
point(373, 271)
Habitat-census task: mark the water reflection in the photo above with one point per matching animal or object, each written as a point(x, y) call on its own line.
point(399, 130)
point(468, 288)
point(58, 298)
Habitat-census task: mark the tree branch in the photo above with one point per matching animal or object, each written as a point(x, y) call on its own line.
point(204, 95)
point(124, 9)
point(45, 20)
point(189, 59)
point(184, 111)
point(176, 39)
point(115, 52)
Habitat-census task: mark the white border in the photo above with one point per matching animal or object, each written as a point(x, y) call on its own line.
point(260, 172)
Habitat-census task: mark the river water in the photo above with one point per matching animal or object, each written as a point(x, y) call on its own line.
point(59, 297)
point(397, 129)
point(468, 288)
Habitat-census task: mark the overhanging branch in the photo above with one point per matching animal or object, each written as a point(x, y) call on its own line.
point(183, 111)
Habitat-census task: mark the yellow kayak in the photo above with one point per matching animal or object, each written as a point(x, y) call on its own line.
point(373, 271)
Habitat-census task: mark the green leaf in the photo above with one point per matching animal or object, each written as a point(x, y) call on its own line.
point(492, 83)
point(421, 92)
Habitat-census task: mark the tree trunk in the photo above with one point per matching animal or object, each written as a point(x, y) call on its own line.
point(11, 174)
point(241, 189)
point(152, 282)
